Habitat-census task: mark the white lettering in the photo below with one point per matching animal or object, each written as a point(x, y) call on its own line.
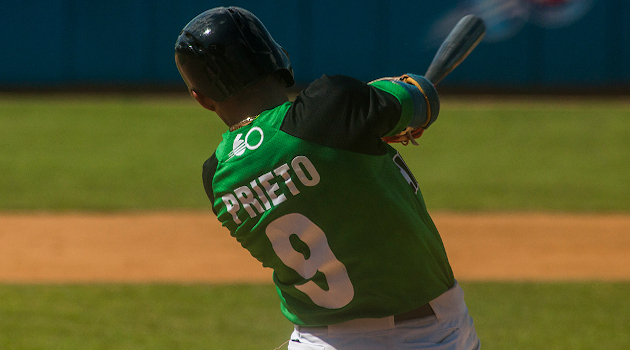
point(310, 169)
point(247, 199)
point(232, 206)
point(264, 192)
point(283, 171)
point(271, 189)
point(260, 194)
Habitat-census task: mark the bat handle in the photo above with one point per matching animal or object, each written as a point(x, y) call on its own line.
point(432, 77)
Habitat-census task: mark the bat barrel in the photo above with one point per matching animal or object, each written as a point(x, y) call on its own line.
point(458, 44)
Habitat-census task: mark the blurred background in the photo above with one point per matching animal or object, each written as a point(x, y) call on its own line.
point(112, 150)
point(536, 120)
point(531, 45)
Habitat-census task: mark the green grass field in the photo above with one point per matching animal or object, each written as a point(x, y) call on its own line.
point(112, 153)
point(144, 153)
point(572, 316)
point(120, 153)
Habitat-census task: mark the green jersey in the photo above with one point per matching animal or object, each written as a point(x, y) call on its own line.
point(311, 191)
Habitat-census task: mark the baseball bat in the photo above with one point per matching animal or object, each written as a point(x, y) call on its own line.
point(458, 44)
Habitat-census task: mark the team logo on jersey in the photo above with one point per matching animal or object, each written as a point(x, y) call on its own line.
point(253, 139)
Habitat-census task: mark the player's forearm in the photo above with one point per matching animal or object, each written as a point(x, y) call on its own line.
point(420, 105)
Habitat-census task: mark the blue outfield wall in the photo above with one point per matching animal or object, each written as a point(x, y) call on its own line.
point(54, 43)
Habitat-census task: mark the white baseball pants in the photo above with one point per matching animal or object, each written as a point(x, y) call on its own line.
point(451, 328)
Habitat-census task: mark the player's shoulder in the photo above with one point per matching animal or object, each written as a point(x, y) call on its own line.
point(337, 79)
point(331, 93)
point(324, 103)
point(340, 112)
point(331, 84)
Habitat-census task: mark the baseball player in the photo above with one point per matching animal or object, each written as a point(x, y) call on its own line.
point(312, 190)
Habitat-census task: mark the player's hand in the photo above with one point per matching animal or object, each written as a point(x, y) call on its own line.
point(427, 105)
point(404, 137)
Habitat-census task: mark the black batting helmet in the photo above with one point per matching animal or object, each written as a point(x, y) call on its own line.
point(223, 50)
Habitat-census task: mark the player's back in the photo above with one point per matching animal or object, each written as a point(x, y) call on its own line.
point(311, 191)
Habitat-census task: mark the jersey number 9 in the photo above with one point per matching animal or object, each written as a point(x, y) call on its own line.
point(321, 258)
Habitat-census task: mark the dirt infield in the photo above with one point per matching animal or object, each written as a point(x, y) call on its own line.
point(193, 248)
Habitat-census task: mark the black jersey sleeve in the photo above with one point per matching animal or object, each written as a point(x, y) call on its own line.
point(345, 113)
point(209, 169)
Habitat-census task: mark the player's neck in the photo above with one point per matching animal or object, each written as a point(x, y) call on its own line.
point(265, 95)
